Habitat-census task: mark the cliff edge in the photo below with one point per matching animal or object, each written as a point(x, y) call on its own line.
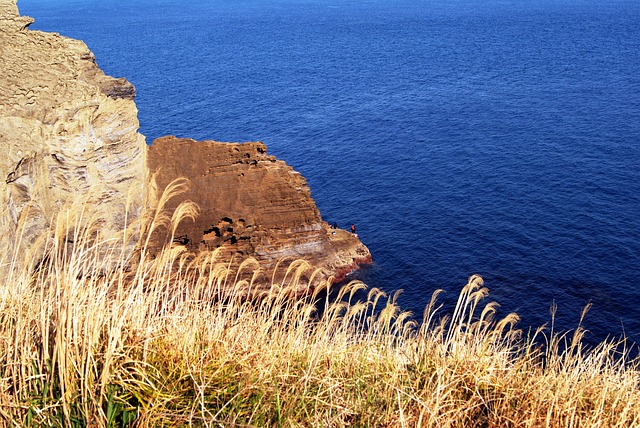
point(251, 204)
point(70, 134)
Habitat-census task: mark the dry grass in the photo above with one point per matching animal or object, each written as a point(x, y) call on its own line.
point(174, 341)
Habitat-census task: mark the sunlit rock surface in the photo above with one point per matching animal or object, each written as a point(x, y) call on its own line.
point(70, 133)
point(67, 132)
point(251, 204)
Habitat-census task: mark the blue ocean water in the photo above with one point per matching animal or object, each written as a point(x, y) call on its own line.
point(460, 136)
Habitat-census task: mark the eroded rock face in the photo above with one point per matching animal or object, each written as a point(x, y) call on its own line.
point(251, 204)
point(67, 131)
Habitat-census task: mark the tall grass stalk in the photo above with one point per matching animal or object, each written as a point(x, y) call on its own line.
point(181, 339)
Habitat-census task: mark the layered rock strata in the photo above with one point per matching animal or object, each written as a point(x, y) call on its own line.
point(251, 204)
point(67, 132)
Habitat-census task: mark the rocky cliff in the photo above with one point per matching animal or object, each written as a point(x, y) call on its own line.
point(251, 204)
point(69, 133)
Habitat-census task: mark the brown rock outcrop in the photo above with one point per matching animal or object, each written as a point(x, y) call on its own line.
point(252, 204)
point(67, 131)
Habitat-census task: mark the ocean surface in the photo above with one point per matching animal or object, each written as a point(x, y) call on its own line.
point(460, 136)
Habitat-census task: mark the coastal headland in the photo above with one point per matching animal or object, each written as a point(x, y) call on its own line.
point(70, 133)
point(117, 309)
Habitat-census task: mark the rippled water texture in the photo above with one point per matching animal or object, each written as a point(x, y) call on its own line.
point(461, 137)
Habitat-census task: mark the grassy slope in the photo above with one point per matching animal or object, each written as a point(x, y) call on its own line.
point(174, 341)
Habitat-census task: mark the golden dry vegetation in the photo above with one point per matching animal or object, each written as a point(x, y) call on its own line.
point(190, 340)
